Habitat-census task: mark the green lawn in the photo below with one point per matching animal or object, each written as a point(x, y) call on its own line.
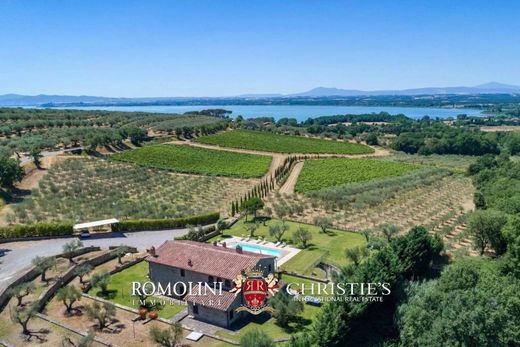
point(321, 173)
point(268, 325)
point(329, 247)
point(265, 141)
point(187, 159)
point(120, 289)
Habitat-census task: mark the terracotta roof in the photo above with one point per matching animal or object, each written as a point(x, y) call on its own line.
point(205, 258)
point(220, 301)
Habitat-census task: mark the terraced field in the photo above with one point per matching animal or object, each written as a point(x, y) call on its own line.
point(320, 173)
point(195, 160)
point(268, 142)
point(440, 203)
point(90, 189)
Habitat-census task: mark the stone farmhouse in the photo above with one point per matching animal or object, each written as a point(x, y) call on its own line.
point(194, 262)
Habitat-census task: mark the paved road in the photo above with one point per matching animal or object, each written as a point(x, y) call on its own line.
point(19, 254)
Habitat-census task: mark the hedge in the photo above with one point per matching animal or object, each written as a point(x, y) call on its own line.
point(156, 224)
point(38, 229)
point(63, 229)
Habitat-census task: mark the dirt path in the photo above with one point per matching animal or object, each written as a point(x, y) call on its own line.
point(278, 158)
point(288, 187)
point(378, 151)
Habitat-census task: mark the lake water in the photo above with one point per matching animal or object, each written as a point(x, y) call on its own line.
point(300, 112)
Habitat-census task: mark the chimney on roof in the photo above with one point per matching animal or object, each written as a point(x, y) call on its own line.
point(190, 263)
point(239, 249)
point(152, 252)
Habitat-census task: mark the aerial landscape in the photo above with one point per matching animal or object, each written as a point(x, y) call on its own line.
point(175, 174)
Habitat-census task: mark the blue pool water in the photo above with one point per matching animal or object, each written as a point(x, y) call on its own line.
point(257, 249)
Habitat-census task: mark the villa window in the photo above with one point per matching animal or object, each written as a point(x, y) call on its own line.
point(183, 273)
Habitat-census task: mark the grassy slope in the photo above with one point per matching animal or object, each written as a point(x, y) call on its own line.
point(272, 329)
point(330, 246)
point(120, 288)
point(321, 173)
point(264, 141)
point(197, 160)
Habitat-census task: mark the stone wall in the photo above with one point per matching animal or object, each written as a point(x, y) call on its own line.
point(31, 273)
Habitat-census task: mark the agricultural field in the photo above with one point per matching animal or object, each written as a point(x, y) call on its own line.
point(321, 173)
point(79, 189)
point(268, 142)
point(458, 163)
point(188, 159)
point(23, 129)
point(430, 197)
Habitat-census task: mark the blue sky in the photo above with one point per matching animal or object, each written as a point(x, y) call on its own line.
point(218, 48)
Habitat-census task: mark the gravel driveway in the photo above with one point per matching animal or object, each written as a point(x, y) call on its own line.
point(18, 255)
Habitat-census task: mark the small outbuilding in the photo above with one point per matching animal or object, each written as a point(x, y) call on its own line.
point(99, 226)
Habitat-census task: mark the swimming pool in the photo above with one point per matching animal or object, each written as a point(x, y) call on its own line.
point(257, 249)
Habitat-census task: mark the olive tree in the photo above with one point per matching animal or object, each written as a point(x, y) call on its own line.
point(302, 236)
point(169, 337)
point(323, 222)
point(101, 280)
point(20, 291)
point(43, 264)
point(68, 295)
point(82, 270)
point(102, 313)
point(22, 316)
point(70, 248)
point(278, 230)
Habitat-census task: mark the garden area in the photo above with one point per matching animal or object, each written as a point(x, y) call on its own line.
point(321, 173)
point(194, 160)
point(119, 290)
point(269, 142)
point(89, 189)
point(324, 243)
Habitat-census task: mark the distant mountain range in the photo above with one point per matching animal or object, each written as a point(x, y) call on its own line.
point(488, 88)
point(83, 100)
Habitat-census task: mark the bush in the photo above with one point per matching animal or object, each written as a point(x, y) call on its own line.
point(155, 224)
point(39, 229)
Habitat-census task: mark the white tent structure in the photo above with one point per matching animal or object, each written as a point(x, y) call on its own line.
point(94, 225)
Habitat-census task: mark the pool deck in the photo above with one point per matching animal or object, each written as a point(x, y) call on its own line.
point(286, 252)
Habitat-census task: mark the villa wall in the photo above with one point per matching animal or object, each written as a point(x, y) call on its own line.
point(164, 274)
point(217, 317)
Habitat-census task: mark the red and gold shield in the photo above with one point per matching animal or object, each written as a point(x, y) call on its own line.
point(255, 293)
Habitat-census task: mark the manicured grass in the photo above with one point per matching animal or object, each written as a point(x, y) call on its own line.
point(269, 326)
point(195, 160)
point(329, 246)
point(321, 173)
point(265, 141)
point(120, 290)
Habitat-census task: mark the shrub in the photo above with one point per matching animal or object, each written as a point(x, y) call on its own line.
point(155, 224)
point(38, 229)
